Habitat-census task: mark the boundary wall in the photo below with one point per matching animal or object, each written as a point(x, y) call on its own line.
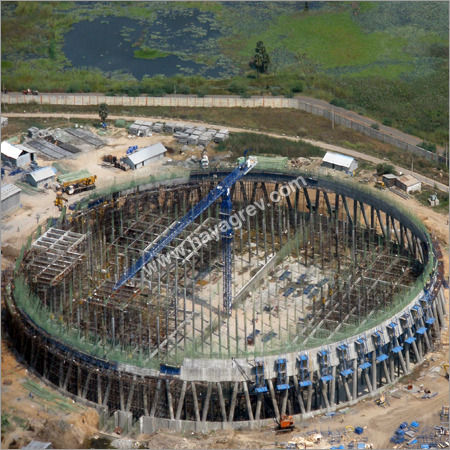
point(330, 112)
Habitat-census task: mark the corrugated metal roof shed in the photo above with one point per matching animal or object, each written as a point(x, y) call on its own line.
point(43, 173)
point(338, 160)
point(147, 153)
point(389, 176)
point(10, 150)
point(408, 180)
point(9, 190)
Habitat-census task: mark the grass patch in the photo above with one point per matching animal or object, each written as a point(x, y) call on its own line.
point(149, 53)
point(257, 144)
point(426, 191)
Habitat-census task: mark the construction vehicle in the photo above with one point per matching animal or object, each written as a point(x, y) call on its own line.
point(446, 372)
point(60, 200)
point(74, 186)
point(380, 184)
point(286, 423)
point(204, 162)
point(30, 92)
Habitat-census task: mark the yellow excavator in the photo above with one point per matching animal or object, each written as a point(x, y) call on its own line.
point(445, 369)
point(60, 200)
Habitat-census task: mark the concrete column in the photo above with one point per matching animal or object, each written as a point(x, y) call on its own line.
point(155, 398)
point(145, 398)
point(274, 400)
point(392, 366)
point(284, 402)
point(386, 373)
point(402, 362)
point(347, 390)
point(437, 319)
point(374, 370)
point(233, 401)
point(169, 400)
point(367, 378)
point(299, 394)
point(259, 399)
point(181, 400)
point(206, 402)
point(333, 386)
point(309, 399)
point(99, 388)
point(325, 394)
point(194, 397)
point(121, 394)
point(406, 350)
point(417, 354)
point(108, 390)
point(222, 402)
point(355, 379)
point(130, 394)
point(247, 399)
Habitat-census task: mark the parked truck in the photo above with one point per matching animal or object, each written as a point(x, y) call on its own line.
point(73, 183)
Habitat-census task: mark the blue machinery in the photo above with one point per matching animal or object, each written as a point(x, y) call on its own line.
point(221, 190)
point(303, 371)
point(260, 382)
point(282, 378)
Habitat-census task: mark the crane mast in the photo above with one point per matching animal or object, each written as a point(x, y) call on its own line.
point(223, 189)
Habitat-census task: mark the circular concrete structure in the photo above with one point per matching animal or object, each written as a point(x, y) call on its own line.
point(336, 293)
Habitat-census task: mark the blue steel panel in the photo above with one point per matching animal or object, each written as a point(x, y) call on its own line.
point(261, 390)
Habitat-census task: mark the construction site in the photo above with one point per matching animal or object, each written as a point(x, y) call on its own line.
point(144, 304)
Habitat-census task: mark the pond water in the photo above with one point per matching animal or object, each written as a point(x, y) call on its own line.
point(107, 43)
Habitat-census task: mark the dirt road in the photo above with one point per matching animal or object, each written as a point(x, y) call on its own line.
point(319, 144)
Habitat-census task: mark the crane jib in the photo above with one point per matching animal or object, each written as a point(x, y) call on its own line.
point(178, 226)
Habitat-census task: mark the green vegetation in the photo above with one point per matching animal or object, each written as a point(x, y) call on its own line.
point(385, 168)
point(387, 60)
point(428, 146)
point(149, 53)
point(425, 193)
point(261, 60)
point(258, 144)
point(103, 111)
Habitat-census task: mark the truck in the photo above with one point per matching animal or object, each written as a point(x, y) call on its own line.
point(76, 182)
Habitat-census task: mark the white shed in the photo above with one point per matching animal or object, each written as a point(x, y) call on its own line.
point(10, 198)
point(338, 161)
point(41, 176)
point(146, 155)
point(17, 157)
point(409, 184)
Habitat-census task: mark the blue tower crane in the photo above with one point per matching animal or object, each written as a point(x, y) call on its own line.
point(221, 190)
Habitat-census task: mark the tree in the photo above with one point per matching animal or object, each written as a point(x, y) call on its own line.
point(103, 111)
point(261, 60)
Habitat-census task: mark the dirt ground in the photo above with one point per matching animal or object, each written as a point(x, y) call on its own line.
point(33, 410)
